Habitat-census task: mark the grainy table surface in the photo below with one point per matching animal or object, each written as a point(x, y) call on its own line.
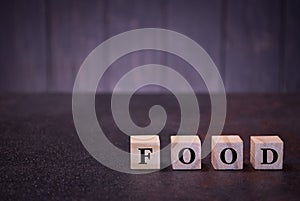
point(42, 158)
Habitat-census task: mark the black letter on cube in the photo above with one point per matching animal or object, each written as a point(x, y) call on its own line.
point(143, 156)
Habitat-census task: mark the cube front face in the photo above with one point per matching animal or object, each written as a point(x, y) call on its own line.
point(144, 152)
point(227, 152)
point(185, 152)
point(266, 152)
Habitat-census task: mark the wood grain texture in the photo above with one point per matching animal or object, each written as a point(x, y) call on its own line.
point(266, 142)
point(185, 144)
point(219, 146)
point(292, 47)
point(151, 158)
point(201, 21)
point(123, 16)
point(23, 46)
point(75, 28)
point(252, 46)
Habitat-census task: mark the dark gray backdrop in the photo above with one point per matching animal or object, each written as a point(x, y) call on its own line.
point(254, 43)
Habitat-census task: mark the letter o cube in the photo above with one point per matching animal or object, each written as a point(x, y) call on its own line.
point(185, 152)
point(227, 152)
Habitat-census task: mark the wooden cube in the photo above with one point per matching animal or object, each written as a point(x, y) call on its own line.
point(227, 152)
point(266, 152)
point(144, 152)
point(185, 152)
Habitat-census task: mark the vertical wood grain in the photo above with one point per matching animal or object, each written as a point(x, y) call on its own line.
point(292, 47)
point(23, 46)
point(124, 16)
point(201, 21)
point(75, 28)
point(255, 44)
point(6, 43)
point(252, 46)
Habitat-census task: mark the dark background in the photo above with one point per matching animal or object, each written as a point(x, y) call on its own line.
point(254, 43)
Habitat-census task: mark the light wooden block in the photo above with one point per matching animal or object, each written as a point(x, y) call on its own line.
point(227, 152)
point(266, 152)
point(185, 152)
point(144, 152)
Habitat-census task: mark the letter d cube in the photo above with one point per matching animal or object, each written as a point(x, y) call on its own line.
point(266, 152)
point(144, 152)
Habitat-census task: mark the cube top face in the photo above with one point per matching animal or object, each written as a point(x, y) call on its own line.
point(266, 152)
point(144, 139)
point(185, 139)
point(144, 152)
point(266, 139)
point(227, 152)
point(185, 152)
point(226, 139)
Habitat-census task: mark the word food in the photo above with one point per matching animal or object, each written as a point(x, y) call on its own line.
point(266, 152)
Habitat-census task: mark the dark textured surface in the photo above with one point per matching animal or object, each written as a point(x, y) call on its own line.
point(42, 158)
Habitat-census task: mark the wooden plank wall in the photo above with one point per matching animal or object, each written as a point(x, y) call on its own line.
point(254, 43)
point(23, 46)
point(291, 58)
point(76, 27)
point(202, 22)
